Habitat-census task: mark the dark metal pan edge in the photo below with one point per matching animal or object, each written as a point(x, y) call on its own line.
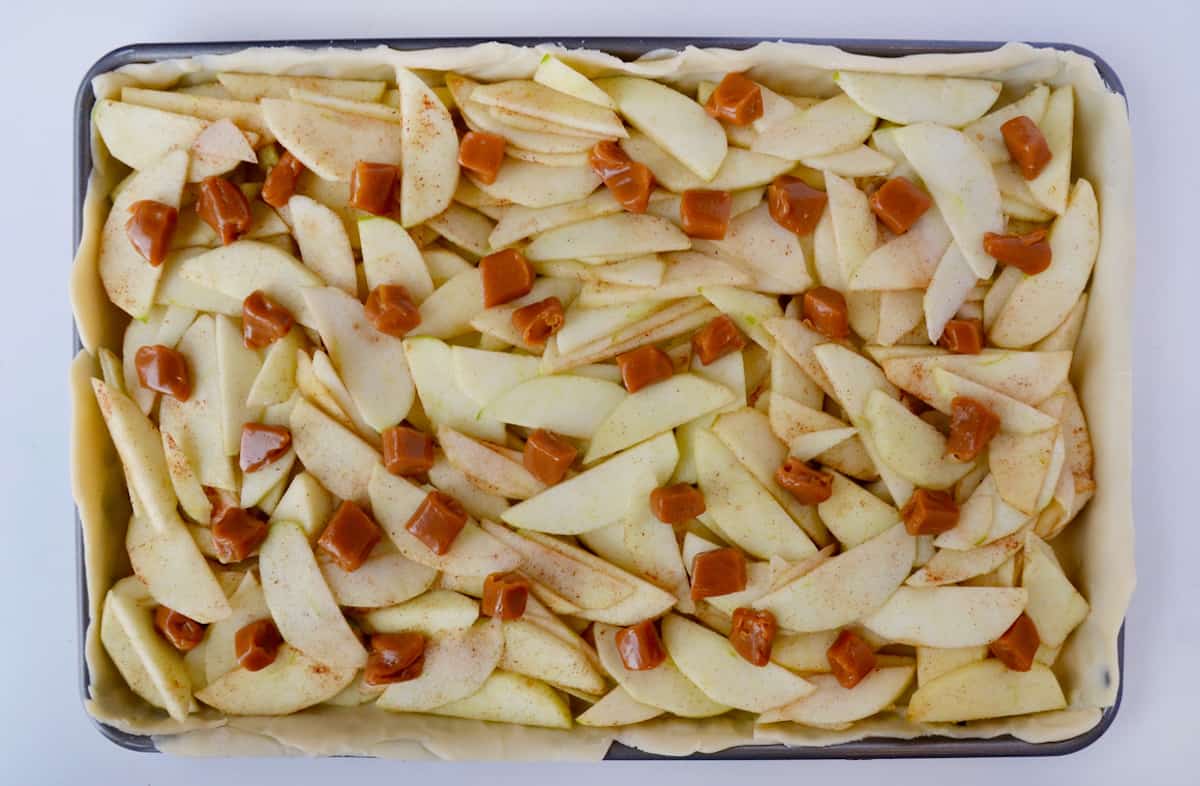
point(626, 47)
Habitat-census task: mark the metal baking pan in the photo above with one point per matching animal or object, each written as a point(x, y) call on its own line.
point(629, 49)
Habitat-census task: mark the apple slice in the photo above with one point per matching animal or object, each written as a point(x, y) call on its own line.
point(832, 126)
point(1066, 335)
point(431, 364)
point(949, 566)
point(465, 228)
point(237, 366)
point(242, 267)
point(832, 705)
point(171, 566)
point(324, 244)
point(664, 686)
point(807, 652)
point(986, 689)
point(985, 131)
point(247, 604)
point(391, 257)
point(129, 281)
point(448, 478)
point(372, 363)
point(301, 601)
point(534, 651)
point(961, 181)
point(675, 122)
point(447, 313)
point(617, 708)
point(141, 136)
point(557, 75)
point(745, 511)
point(330, 142)
point(845, 588)
point(429, 151)
point(319, 381)
point(140, 448)
point(741, 169)
point(1051, 186)
point(805, 429)
point(947, 291)
point(539, 186)
point(771, 253)
point(485, 376)
point(511, 698)
point(537, 100)
point(1038, 304)
point(573, 406)
point(384, 579)
point(710, 661)
point(622, 233)
point(457, 663)
point(905, 98)
point(933, 662)
point(473, 553)
point(947, 616)
point(497, 321)
point(663, 324)
point(1055, 606)
point(433, 613)
point(747, 433)
point(478, 118)
point(975, 519)
point(334, 455)
point(1015, 416)
point(910, 446)
point(519, 222)
point(685, 274)
point(907, 261)
point(185, 481)
point(294, 681)
point(1030, 377)
point(276, 379)
point(251, 87)
point(150, 666)
point(1020, 464)
point(900, 314)
point(855, 515)
point(854, 226)
point(654, 410)
point(489, 469)
point(642, 546)
point(749, 310)
point(861, 161)
point(245, 114)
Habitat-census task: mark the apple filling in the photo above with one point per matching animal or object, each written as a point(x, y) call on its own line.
point(562, 400)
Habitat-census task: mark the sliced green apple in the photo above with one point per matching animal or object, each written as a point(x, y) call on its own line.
point(391, 257)
point(171, 566)
point(245, 266)
point(617, 708)
point(933, 662)
point(519, 222)
point(294, 681)
point(1055, 606)
point(429, 151)
point(710, 661)
point(537, 100)
point(910, 446)
point(1038, 304)
point(855, 515)
point(431, 364)
point(949, 566)
point(512, 698)
point(675, 122)
point(237, 366)
point(1050, 188)
point(276, 379)
point(489, 469)
point(985, 131)
point(861, 161)
point(331, 142)
point(151, 667)
point(832, 705)
point(324, 244)
point(832, 126)
point(247, 604)
point(905, 98)
point(457, 663)
point(907, 261)
point(623, 233)
point(845, 588)
point(739, 170)
point(557, 75)
point(432, 613)
point(573, 406)
point(534, 651)
point(664, 686)
point(947, 616)
point(1020, 464)
point(485, 376)
point(1030, 377)
point(384, 579)
point(140, 136)
point(129, 280)
point(478, 118)
point(333, 454)
point(986, 689)
point(773, 255)
point(961, 181)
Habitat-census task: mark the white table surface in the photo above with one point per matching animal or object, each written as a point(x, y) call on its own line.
point(47, 46)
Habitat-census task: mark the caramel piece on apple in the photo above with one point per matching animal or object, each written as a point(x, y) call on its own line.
point(150, 228)
point(850, 659)
point(349, 536)
point(898, 204)
point(753, 634)
point(481, 154)
point(224, 207)
point(263, 320)
point(640, 647)
point(163, 370)
point(506, 276)
point(643, 367)
point(395, 657)
point(736, 100)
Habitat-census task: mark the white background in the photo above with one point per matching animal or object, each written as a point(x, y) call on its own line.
point(44, 49)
